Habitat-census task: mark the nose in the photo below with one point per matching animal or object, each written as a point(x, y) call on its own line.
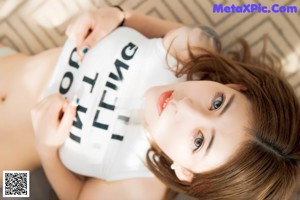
point(188, 108)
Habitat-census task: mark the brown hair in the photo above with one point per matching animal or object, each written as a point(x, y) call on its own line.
point(267, 165)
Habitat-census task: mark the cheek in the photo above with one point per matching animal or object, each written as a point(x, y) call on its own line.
point(172, 140)
point(169, 143)
point(149, 107)
point(177, 150)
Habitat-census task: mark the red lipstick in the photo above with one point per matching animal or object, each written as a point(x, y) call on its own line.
point(163, 100)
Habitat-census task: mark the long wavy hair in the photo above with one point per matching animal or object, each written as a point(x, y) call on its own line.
point(267, 165)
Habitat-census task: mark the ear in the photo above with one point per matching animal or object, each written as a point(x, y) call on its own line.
point(237, 87)
point(183, 174)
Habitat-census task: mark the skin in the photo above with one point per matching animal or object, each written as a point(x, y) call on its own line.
point(189, 120)
point(19, 93)
point(19, 75)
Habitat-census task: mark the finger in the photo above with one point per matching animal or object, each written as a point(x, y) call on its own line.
point(72, 22)
point(63, 110)
point(81, 34)
point(50, 108)
point(67, 119)
point(79, 30)
point(74, 102)
point(46, 111)
point(40, 104)
point(55, 101)
point(38, 111)
point(94, 37)
point(83, 48)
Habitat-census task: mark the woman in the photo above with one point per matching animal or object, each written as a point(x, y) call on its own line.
point(19, 71)
point(264, 147)
point(239, 98)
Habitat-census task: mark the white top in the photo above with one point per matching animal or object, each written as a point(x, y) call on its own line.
point(107, 140)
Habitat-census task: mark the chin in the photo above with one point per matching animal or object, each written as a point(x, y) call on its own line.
point(150, 109)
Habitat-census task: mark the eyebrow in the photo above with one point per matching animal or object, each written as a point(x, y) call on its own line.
point(212, 138)
point(227, 105)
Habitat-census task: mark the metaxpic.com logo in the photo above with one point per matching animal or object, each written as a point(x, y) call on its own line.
point(254, 8)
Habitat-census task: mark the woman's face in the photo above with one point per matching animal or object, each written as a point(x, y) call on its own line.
point(198, 124)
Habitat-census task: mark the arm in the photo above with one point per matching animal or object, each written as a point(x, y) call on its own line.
point(52, 119)
point(149, 26)
point(129, 189)
point(65, 184)
point(89, 28)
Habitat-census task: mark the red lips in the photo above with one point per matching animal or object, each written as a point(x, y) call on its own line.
point(163, 100)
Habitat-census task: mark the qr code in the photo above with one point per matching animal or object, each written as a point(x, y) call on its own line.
point(15, 183)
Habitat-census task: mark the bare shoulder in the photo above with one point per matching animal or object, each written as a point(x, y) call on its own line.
point(131, 189)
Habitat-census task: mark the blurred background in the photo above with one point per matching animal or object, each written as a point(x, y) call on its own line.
point(31, 26)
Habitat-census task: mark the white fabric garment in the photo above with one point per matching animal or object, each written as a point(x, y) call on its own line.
point(107, 139)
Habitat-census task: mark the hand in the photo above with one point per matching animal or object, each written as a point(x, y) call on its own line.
point(89, 28)
point(52, 120)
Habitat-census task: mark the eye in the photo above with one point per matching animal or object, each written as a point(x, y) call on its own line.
point(198, 140)
point(217, 102)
